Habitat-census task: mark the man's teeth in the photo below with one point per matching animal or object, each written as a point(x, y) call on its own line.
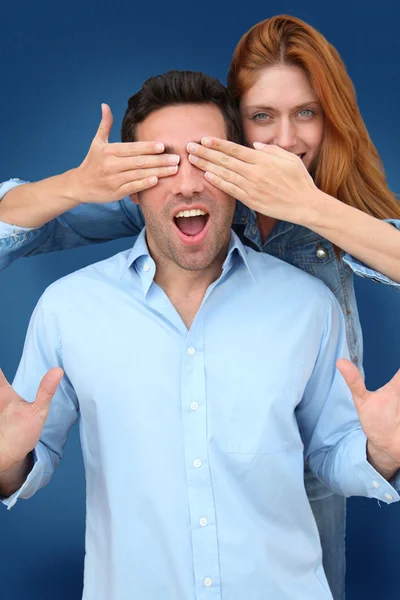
point(195, 212)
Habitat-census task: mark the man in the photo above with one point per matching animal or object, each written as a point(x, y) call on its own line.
point(193, 440)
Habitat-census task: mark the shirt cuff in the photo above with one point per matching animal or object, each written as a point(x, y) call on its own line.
point(376, 486)
point(362, 270)
point(6, 186)
point(6, 229)
point(14, 231)
point(33, 482)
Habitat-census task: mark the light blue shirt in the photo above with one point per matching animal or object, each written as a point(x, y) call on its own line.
point(297, 245)
point(193, 440)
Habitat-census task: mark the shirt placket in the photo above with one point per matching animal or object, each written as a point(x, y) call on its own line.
point(198, 472)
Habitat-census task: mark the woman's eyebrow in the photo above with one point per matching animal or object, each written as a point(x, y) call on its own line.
point(272, 108)
point(305, 104)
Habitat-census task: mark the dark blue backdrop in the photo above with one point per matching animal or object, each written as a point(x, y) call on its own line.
point(58, 63)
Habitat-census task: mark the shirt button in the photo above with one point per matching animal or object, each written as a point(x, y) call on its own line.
point(388, 497)
point(203, 521)
point(191, 351)
point(194, 405)
point(208, 581)
point(146, 267)
point(197, 463)
point(376, 484)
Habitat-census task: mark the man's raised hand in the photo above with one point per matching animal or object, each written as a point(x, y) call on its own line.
point(379, 414)
point(21, 422)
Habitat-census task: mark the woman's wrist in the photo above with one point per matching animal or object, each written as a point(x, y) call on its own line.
point(322, 211)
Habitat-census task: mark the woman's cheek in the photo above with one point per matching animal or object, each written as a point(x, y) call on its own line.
point(252, 134)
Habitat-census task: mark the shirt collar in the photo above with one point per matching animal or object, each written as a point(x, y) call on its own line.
point(236, 250)
point(140, 258)
point(139, 250)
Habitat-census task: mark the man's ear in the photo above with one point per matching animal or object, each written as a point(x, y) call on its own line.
point(134, 198)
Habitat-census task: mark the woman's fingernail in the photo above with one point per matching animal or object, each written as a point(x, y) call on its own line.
point(174, 159)
point(206, 141)
point(259, 145)
point(193, 158)
point(192, 147)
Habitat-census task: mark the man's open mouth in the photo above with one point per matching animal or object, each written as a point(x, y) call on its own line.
point(192, 224)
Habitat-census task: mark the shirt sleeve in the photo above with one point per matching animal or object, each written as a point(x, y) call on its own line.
point(42, 351)
point(334, 442)
point(362, 270)
point(83, 225)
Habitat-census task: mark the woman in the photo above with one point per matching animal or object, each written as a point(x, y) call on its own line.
point(295, 96)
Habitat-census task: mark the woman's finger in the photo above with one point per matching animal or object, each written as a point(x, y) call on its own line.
point(140, 174)
point(145, 162)
point(135, 148)
point(133, 187)
point(224, 173)
point(216, 158)
point(229, 188)
point(275, 151)
point(230, 149)
point(103, 132)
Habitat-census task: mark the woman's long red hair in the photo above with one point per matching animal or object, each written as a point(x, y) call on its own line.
point(348, 166)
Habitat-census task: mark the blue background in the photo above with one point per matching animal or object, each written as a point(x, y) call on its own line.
point(58, 63)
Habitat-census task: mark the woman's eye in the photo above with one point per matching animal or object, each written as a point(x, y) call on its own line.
point(306, 112)
point(260, 117)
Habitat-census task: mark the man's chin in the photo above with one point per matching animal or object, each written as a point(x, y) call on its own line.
point(194, 263)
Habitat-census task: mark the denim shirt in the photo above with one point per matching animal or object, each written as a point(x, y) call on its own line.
point(297, 245)
point(310, 252)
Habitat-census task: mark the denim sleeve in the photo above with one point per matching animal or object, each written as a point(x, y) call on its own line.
point(363, 270)
point(43, 350)
point(83, 225)
point(334, 442)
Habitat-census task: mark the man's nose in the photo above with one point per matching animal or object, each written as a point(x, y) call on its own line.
point(188, 181)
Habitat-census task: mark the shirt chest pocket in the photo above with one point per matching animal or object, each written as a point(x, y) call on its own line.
point(258, 421)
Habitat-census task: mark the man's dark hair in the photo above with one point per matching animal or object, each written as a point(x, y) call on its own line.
point(180, 87)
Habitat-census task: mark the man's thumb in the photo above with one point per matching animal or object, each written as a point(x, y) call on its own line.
point(354, 380)
point(47, 388)
point(106, 122)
